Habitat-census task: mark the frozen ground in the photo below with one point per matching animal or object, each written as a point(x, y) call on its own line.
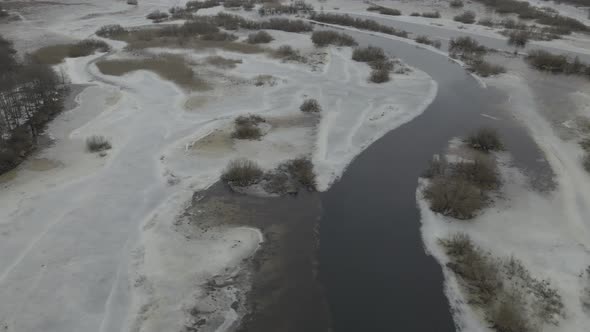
point(88, 243)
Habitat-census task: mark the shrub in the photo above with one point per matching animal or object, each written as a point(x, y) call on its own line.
point(415, 14)
point(385, 10)
point(287, 25)
point(242, 172)
point(277, 182)
point(467, 49)
point(485, 139)
point(232, 3)
point(97, 143)
point(456, 4)
point(434, 14)
point(301, 170)
point(382, 65)
point(586, 162)
point(260, 37)
point(248, 6)
point(326, 37)
point(87, 47)
point(481, 172)
point(486, 69)
point(379, 76)
point(508, 315)
point(310, 106)
point(288, 53)
point(365, 24)
point(246, 127)
point(544, 60)
point(157, 15)
point(456, 198)
point(368, 54)
point(488, 22)
point(467, 17)
point(195, 5)
point(518, 38)
point(427, 41)
point(477, 269)
point(219, 36)
point(110, 31)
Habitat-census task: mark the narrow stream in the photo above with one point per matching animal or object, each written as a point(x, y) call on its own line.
point(373, 264)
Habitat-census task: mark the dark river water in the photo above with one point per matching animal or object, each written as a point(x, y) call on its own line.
point(372, 261)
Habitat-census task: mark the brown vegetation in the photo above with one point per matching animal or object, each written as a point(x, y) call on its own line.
point(260, 37)
point(170, 67)
point(327, 37)
point(365, 24)
point(310, 106)
point(246, 127)
point(54, 54)
point(242, 173)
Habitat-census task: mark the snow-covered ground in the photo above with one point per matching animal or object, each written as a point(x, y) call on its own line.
point(87, 242)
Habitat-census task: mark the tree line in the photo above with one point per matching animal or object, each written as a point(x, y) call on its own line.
point(31, 94)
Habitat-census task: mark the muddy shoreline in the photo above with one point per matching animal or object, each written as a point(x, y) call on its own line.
point(284, 291)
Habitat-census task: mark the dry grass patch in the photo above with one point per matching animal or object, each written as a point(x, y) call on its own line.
point(222, 62)
point(246, 127)
point(242, 173)
point(54, 54)
point(170, 67)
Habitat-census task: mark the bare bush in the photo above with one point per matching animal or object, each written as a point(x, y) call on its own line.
point(456, 4)
point(454, 197)
point(310, 106)
point(326, 37)
point(219, 36)
point(111, 31)
point(475, 267)
point(557, 63)
point(482, 172)
point(586, 162)
point(485, 139)
point(488, 22)
point(519, 38)
point(157, 16)
point(97, 143)
point(379, 76)
point(195, 5)
point(368, 54)
point(242, 173)
point(358, 23)
point(466, 48)
point(467, 17)
point(508, 315)
point(301, 170)
point(385, 10)
point(222, 62)
point(486, 69)
point(427, 41)
point(260, 37)
point(246, 127)
point(435, 14)
point(288, 53)
point(87, 47)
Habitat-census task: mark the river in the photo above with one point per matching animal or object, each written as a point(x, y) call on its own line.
point(372, 261)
